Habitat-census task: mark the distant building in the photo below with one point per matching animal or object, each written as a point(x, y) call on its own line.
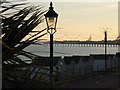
point(118, 59)
point(114, 62)
point(82, 67)
point(77, 67)
point(110, 61)
point(99, 62)
point(67, 61)
point(89, 64)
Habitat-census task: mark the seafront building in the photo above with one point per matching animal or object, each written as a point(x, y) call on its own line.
point(78, 66)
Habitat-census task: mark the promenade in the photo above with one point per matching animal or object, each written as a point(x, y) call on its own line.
point(97, 80)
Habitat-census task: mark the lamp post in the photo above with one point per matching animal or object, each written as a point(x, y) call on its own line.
point(51, 20)
point(105, 50)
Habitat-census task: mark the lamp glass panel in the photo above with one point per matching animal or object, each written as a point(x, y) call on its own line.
point(51, 22)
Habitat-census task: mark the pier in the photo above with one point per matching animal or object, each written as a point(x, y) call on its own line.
point(83, 44)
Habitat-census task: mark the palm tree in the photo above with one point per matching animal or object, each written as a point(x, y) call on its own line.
point(17, 23)
point(16, 26)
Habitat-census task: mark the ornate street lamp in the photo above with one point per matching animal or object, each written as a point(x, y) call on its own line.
point(51, 20)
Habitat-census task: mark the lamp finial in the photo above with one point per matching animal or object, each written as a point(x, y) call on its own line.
point(51, 4)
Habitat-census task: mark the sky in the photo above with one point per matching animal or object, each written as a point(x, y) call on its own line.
point(78, 19)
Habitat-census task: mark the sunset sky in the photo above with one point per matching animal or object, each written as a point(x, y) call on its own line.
point(79, 20)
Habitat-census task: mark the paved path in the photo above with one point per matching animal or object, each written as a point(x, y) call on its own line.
point(100, 80)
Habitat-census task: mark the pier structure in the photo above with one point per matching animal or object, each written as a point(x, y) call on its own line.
point(83, 44)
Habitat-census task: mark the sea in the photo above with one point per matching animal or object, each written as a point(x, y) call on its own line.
point(62, 51)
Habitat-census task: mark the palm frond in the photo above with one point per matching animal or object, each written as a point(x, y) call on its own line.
point(11, 7)
point(36, 34)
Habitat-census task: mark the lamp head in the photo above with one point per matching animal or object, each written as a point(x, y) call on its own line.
point(51, 18)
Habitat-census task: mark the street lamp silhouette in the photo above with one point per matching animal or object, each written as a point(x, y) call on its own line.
point(51, 21)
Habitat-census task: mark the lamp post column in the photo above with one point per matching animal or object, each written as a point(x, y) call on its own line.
point(105, 50)
point(51, 53)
